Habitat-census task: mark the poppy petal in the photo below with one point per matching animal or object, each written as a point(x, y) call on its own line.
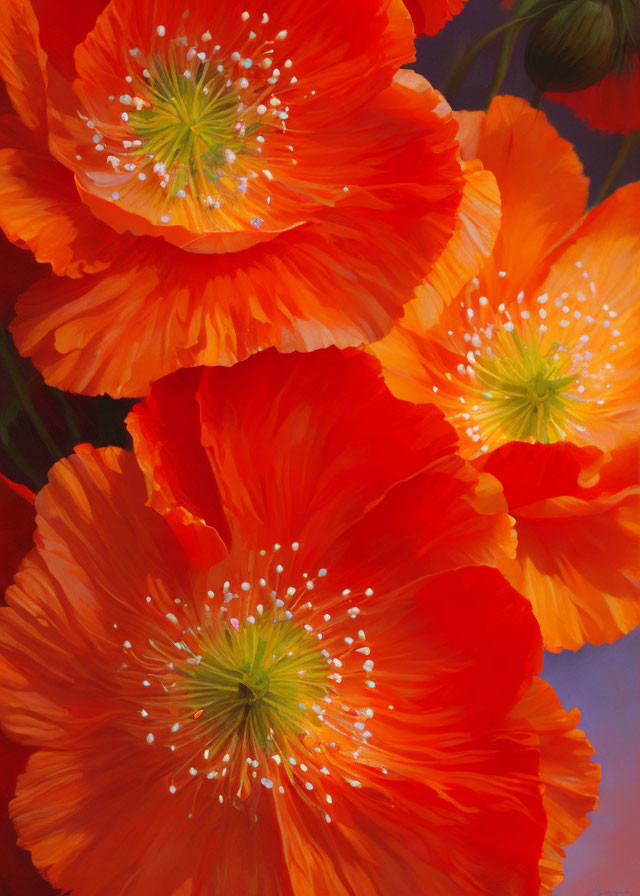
point(470, 245)
point(319, 284)
point(578, 543)
point(72, 787)
point(305, 501)
point(518, 145)
point(40, 208)
point(602, 261)
point(166, 432)
point(22, 64)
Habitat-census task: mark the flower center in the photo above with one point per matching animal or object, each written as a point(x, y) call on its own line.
point(190, 126)
point(252, 687)
point(525, 394)
point(247, 685)
point(537, 369)
point(184, 136)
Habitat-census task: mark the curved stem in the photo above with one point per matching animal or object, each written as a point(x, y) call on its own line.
point(457, 75)
point(616, 167)
point(525, 12)
point(70, 417)
point(504, 59)
point(20, 463)
point(6, 356)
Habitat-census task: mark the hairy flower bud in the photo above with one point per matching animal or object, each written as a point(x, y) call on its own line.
point(572, 47)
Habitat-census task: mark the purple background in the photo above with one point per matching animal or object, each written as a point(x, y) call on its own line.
point(435, 58)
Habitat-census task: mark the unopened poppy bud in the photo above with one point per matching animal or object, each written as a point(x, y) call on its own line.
point(572, 47)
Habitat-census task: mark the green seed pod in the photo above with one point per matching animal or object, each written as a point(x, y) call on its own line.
point(572, 46)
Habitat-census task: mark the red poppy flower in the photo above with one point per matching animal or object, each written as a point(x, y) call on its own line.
point(613, 104)
point(207, 182)
point(18, 877)
point(429, 16)
point(542, 347)
point(331, 703)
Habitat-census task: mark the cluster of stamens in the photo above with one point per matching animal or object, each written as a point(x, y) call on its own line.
point(191, 129)
point(250, 688)
point(520, 379)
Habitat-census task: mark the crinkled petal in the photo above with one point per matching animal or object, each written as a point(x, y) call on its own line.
point(71, 583)
point(518, 145)
point(433, 808)
point(22, 64)
point(578, 556)
point(69, 810)
point(40, 208)
point(166, 431)
point(471, 244)
point(373, 444)
point(157, 308)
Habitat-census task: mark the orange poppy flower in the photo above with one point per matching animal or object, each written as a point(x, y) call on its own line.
point(540, 347)
point(18, 877)
point(210, 181)
point(331, 703)
point(430, 16)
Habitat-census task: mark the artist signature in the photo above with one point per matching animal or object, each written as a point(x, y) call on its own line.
point(599, 892)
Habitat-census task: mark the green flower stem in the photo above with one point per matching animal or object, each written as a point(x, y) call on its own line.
point(21, 464)
point(22, 391)
point(525, 12)
point(504, 61)
point(456, 77)
point(70, 418)
point(616, 167)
